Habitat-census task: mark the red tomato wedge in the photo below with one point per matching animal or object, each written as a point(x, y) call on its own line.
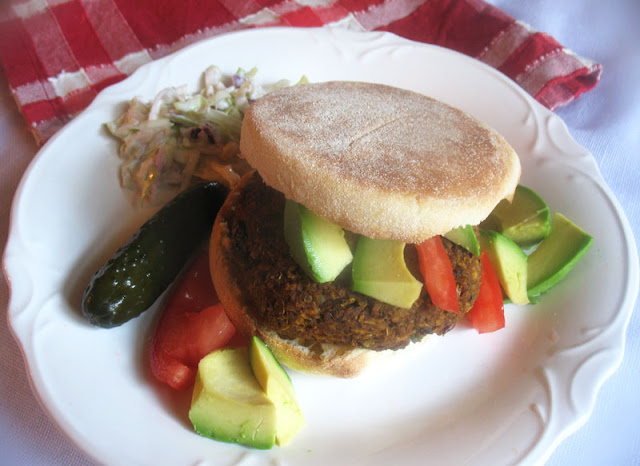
point(487, 313)
point(193, 323)
point(437, 273)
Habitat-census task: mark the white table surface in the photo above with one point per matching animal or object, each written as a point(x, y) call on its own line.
point(606, 121)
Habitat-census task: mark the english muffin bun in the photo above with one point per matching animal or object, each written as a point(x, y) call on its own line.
point(377, 160)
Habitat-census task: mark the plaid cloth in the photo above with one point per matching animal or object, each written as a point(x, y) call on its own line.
point(58, 54)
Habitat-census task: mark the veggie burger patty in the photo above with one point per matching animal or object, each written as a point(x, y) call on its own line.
point(282, 298)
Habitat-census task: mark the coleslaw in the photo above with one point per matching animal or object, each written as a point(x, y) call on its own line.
point(180, 137)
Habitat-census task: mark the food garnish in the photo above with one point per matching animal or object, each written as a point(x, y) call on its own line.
point(192, 324)
point(142, 269)
point(245, 396)
point(487, 313)
point(437, 273)
point(180, 136)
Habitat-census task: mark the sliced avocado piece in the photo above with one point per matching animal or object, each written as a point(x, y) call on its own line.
point(228, 404)
point(556, 255)
point(317, 245)
point(525, 220)
point(465, 237)
point(510, 263)
point(276, 384)
point(379, 270)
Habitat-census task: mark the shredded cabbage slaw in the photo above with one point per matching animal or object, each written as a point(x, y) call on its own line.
point(180, 137)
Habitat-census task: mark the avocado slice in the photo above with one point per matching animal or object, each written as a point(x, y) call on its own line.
point(228, 404)
point(465, 237)
point(276, 384)
point(525, 220)
point(510, 263)
point(317, 245)
point(379, 270)
point(556, 255)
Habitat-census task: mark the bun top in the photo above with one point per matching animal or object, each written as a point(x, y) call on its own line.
point(377, 160)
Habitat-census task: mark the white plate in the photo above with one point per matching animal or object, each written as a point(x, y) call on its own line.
point(506, 397)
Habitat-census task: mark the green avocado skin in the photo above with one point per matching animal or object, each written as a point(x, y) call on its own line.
point(277, 385)
point(317, 245)
point(525, 220)
point(228, 403)
point(556, 255)
point(143, 268)
point(465, 237)
point(510, 263)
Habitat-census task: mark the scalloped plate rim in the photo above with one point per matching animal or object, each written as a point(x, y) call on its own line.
point(106, 98)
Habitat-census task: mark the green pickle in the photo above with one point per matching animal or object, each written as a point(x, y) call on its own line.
point(143, 268)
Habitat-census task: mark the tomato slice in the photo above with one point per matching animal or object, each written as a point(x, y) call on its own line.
point(437, 273)
point(487, 313)
point(192, 324)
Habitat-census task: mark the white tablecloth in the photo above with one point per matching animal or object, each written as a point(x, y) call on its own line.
point(606, 121)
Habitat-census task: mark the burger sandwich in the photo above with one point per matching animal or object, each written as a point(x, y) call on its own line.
point(315, 250)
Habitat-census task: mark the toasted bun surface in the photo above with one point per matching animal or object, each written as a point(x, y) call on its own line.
point(378, 160)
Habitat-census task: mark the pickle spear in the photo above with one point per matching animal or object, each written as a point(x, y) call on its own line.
point(142, 269)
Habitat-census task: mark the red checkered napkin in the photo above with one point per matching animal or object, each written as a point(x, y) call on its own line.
point(58, 54)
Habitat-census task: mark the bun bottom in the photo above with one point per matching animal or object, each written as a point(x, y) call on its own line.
point(333, 360)
point(320, 358)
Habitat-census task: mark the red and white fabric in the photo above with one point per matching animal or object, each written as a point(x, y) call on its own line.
point(57, 55)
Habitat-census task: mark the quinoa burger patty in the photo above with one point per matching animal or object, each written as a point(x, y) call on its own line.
point(280, 297)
